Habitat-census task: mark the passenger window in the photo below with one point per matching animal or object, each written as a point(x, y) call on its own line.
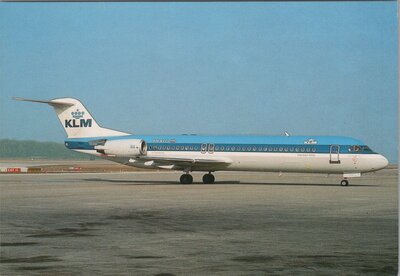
point(203, 148)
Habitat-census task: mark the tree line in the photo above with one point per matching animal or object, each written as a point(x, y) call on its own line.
point(35, 150)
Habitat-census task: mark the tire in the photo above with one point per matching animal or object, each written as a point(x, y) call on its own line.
point(344, 183)
point(186, 179)
point(208, 178)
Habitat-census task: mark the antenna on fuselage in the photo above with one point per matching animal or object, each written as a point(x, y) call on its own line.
point(287, 133)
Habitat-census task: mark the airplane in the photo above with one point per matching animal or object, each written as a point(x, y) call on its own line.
point(187, 153)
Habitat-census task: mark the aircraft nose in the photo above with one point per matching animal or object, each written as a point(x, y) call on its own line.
point(382, 162)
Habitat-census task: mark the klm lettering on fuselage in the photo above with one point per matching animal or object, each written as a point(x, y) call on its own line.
point(78, 123)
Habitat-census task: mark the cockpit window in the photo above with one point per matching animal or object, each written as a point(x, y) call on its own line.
point(359, 148)
point(366, 148)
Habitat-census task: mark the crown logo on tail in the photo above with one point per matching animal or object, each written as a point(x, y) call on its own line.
point(77, 114)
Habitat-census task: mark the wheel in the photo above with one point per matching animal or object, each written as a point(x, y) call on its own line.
point(186, 179)
point(208, 178)
point(344, 182)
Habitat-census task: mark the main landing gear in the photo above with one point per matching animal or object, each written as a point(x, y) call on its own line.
point(208, 178)
point(186, 178)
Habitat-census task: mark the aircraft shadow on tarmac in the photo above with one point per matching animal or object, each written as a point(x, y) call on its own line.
point(163, 182)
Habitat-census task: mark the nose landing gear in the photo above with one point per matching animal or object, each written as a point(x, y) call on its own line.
point(344, 182)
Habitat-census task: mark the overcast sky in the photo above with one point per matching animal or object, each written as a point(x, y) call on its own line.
point(208, 68)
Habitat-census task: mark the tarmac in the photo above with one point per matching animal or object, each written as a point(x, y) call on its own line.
point(145, 223)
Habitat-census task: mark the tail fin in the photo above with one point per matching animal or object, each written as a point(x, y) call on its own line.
point(76, 119)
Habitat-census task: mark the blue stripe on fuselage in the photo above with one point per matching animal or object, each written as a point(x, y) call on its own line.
point(222, 143)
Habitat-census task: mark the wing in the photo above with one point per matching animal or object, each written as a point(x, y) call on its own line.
point(184, 163)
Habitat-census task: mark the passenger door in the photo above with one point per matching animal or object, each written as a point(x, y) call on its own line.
point(334, 157)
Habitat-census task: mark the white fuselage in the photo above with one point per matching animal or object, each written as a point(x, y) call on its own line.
point(267, 162)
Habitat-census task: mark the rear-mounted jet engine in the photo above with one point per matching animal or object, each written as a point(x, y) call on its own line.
point(123, 148)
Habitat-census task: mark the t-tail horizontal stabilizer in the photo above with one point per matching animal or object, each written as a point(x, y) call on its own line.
point(76, 119)
point(52, 102)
